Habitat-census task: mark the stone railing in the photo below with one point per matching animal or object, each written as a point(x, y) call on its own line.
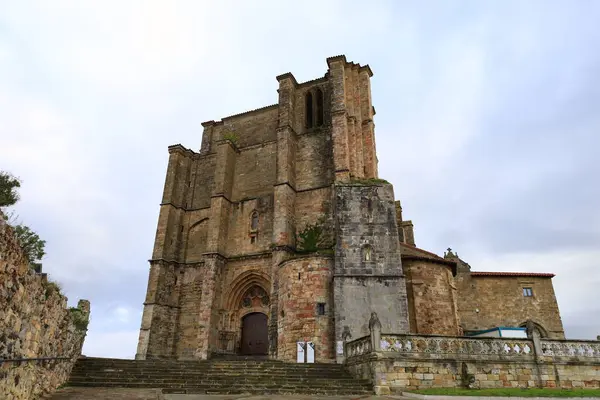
point(440, 347)
point(457, 347)
point(395, 362)
point(358, 347)
point(571, 350)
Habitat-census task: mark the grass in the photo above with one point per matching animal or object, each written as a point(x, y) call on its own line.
point(511, 392)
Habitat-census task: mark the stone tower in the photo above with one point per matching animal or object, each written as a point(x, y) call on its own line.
point(277, 230)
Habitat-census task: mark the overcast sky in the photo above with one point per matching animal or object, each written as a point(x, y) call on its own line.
point(487, 124)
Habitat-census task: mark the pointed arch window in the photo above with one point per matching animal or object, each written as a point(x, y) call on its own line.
point(253, 226)
point(319, 95)
point(309, 110)
point(367, 253)
point(256, 296)
point(254, 221)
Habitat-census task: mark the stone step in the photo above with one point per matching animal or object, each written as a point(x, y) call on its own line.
point(211, 372)
point(216, 380)
point(212, 365)
point(230, 389)
point(219, 376)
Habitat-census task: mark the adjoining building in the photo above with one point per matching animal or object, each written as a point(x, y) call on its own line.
point(280, 230)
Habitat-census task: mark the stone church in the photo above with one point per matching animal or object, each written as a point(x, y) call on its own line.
point(279, 230)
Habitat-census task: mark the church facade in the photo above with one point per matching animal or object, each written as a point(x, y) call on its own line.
point(279, 230)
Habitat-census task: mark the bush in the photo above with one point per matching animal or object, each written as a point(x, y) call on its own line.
point(80, 319)
point(232, 137)
point(51, 288)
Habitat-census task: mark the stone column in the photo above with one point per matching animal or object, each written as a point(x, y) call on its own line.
point(339, 118)
point(284, 196)
point(367, 125)
point(208, 317)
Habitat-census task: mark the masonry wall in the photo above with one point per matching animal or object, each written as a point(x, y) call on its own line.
point(34, 323)
point(303, 283)
point(500, 302)
point(366, 221)
point(431, 297)
point(406, 362)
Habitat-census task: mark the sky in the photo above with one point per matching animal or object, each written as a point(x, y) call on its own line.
point(487, 125)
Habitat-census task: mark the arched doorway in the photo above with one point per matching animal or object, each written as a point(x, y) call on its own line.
point(255, 335)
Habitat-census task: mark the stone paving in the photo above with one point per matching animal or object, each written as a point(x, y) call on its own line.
point(80, 393)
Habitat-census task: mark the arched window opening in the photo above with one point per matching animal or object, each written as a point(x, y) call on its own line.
point(254, 221)
point(319, 107)
point(367, 253)
point(309, 110)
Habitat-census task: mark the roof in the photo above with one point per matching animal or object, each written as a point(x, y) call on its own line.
point(531, 274)
point(409, 251)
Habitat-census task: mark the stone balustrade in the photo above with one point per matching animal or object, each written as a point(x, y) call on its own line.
point(571, 350)
point(396, 362)
point(358, 347)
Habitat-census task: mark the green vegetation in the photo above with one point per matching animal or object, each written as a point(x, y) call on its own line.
point(314, 237)
point(80, 318)
point(232, 137)
point(30, 242)
point(51, 288)
point(8, 189)
point(510, 392)
point(32, 245)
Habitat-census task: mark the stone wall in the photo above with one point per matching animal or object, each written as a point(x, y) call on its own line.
point(303, 284)
point(368, 273)
point(487, 301)
point(34, 323)
point(431, 297)
point(417, 361)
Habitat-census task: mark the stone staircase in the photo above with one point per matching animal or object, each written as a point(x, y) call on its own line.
point(219, 376)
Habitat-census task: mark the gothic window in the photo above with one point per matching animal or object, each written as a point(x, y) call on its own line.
point(367, 253)
point(309, 110)
point(319, 107)
point(254, 221)
point(255, 297)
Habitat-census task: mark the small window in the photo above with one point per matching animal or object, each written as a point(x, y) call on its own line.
point(254, 221)
point(320, 308)
point(252, 239)
point(527, 292)
point(367, 253)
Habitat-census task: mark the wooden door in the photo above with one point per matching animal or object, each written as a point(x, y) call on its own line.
point(255, 336)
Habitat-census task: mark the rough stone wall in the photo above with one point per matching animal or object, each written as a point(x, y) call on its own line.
point(303, 283)
point(500, 302)
point(161, 311)
point(397, 375)
point(34, 323)
point(240, 231)
point(431, 298)
point(314, 206)
point(366, 222)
